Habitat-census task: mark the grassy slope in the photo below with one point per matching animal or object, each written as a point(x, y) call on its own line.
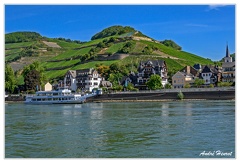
point(69, 50)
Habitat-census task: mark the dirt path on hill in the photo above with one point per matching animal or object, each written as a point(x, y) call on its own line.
point(164, 55)
point(52, 44)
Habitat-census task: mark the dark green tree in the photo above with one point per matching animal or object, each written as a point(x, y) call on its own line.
point(155, 82)
point(32, 80)
point(171, 44)
point(10, 79)
point(35, 66)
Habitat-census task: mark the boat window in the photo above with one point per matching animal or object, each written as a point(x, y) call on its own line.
point(38, 99)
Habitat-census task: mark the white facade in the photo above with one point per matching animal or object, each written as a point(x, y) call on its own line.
point(70, 84)
point(47, 87)
point(206, 77)
point(93, 82)
point(85, 80)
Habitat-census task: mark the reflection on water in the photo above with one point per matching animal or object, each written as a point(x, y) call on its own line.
point(169, 129)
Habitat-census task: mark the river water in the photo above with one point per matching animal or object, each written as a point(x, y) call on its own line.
point(196, 129)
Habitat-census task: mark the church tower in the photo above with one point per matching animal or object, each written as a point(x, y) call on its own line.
point(228, 58)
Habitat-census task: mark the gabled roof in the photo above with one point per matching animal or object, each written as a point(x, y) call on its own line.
point(197, 66)
point(192, 70)
point(178, 73)
point(72, 73)
point(208, 69)
point(228, 64)
point(154, 63)
point(85, 72)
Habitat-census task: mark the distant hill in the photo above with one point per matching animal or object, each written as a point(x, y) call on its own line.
point(118, 45)
point(117, 31)
point(22, 37)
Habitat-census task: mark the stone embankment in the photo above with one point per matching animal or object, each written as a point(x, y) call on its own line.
point(167, 95)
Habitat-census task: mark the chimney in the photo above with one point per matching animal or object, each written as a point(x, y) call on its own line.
point(188, 70)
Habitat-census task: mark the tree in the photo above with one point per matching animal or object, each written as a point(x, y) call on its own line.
point(147, 50)
point(10, 79)
point(103, 70)
point(35, 66)
point(155, 82)
point(115, 78)
point(32, 80)
point(198, 82)
point(171, 44)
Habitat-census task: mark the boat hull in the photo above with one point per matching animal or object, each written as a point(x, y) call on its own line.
point(53, 102)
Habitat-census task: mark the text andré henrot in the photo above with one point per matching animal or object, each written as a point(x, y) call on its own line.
point(217, 153)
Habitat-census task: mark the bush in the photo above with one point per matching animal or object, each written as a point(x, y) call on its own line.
point(211, 86)
point(180, 95)
point(187, 85)
point(224, 84)
point(168, 86)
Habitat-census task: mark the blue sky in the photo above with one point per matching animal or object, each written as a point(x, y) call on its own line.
point(200, 29)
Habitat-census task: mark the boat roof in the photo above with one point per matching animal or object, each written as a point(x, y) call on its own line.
point(54, 91)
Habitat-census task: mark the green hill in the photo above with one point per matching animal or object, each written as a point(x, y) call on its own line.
point(117, 31)
point(117, 46)
point(16, 37)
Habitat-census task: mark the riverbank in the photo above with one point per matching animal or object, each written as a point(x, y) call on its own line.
point(158, 96)
point(164, 96)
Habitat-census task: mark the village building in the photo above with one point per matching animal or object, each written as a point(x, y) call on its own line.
point(145, 70)
point(84, 80)
point(197, 67)
point(210, 74)
point(48, 87)
point(151, 67)
point(185, 76)
point(228, 68)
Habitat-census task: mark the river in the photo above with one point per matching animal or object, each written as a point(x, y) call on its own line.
point(185, 129)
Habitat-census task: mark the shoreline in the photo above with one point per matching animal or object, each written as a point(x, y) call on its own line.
point(154, 96)
point(118, 101)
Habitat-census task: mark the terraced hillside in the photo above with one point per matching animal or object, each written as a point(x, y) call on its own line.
point(126, 47)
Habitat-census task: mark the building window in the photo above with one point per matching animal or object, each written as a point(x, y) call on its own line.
point(174, 81)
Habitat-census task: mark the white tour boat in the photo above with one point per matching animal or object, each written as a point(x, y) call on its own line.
point(60, 96)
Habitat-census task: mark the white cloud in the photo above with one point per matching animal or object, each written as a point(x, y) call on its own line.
point(197, 25)
point(215, 7)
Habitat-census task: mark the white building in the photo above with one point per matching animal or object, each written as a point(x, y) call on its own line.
point(70, 80)
point(85, 79)
point(47, 87)
point(228, 68)
point(210, 74)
